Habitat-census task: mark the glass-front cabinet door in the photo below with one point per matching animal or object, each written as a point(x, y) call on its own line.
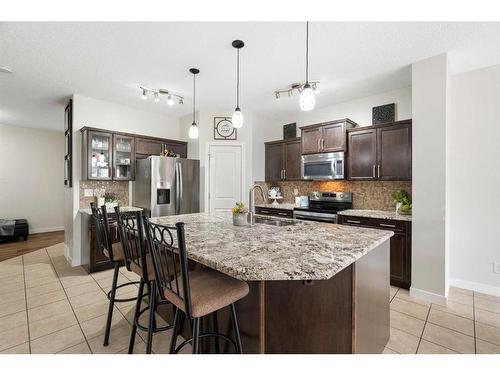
point(123, 157)
point(100, 155)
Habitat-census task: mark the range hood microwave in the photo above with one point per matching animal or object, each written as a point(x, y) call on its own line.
point(329, 166)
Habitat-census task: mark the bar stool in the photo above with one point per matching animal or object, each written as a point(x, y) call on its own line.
point(196, 293)
point(114, 252)
point(139, 261)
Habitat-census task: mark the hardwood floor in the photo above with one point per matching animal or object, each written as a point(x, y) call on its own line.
point(35, 242)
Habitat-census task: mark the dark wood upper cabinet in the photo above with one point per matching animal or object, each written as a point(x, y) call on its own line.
point(97, 158)
point(380, 152)
point(292, 160)
point(109, 155)
point(149, 146)
point(274, 161)
point(362, 158)
point(394, 152)
point(311, 139)
point(282, 160)
point(326, 136)
point(123, 157)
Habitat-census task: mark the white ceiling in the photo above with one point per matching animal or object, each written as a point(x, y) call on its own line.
point(110, 60)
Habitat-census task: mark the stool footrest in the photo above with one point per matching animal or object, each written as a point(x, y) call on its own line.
point(157, 329)
point(202, 336)
point(124, 299)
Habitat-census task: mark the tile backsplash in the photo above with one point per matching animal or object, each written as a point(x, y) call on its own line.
point(369, 195)
point(119, 188)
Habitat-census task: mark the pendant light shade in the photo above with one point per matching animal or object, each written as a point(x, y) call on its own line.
point(193, 129)
point(307, 99)
point(237, 118)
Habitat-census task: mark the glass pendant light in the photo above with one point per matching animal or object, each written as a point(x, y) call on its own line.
point(307, 100)
point(237, 118)
point(193, 129)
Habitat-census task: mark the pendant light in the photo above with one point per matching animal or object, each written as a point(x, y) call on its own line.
point(237, 118)
point(193, 129)
point(307, 95)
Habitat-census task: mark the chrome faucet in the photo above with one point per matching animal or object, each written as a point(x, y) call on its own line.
point(251, 208)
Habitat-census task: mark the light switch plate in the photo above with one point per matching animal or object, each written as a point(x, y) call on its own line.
point(88, 192)
point(496, 267)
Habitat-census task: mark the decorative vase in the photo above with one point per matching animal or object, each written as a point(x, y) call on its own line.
point(100, 202)
point(240, 219)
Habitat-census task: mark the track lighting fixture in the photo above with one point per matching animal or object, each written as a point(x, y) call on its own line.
point(171, 97)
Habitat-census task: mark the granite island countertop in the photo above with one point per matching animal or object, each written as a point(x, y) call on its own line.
point(88, 211)
point(304, 251)
point(376, 214)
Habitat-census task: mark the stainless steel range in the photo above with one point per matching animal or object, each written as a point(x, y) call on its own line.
point(324, 205)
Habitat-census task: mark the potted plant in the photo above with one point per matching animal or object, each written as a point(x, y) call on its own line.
point(240, 214)
point(110, 200)
point(403, 202)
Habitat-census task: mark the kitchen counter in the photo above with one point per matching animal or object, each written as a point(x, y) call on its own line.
point(313, 287)
point(304, 251)
point(376, 214)
point(88, 211)
point(280, 206)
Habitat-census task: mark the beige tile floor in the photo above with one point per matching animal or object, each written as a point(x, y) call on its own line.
point(48, 307)
point(469, 323)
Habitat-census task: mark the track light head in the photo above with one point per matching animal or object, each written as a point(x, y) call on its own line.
point(144, 95)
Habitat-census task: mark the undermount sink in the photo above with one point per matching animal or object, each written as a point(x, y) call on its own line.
point(275, 222)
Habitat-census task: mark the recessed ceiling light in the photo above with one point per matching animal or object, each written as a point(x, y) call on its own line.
point(5, 69)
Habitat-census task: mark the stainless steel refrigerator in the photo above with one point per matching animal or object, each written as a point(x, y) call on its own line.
point(166, 186)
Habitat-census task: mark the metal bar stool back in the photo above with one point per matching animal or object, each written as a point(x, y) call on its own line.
point(139, 261)
point(197, 293)
point(114, 252)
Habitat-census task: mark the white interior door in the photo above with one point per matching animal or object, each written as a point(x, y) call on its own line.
point(226, 174)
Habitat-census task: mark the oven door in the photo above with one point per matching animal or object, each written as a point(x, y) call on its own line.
point(315, 216)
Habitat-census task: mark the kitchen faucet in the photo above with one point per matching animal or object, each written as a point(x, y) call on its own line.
point(251, 208)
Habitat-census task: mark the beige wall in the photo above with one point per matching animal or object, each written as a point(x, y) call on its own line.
point(31, 177)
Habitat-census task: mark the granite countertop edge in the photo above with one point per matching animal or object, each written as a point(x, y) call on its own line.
point(88, 211)
point(375, 214)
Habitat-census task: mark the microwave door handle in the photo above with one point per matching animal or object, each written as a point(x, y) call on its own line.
point(334, 168)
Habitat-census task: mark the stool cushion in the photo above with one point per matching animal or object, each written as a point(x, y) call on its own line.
point(134, 267)
point(210, 291)
point(118, 254)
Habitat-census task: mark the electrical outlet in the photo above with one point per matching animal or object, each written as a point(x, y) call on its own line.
point(88, 192)
point(496, 267)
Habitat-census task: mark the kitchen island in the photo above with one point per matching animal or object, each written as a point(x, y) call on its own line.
point(314, 287)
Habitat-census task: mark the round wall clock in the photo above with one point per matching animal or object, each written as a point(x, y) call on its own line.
point(223, 128)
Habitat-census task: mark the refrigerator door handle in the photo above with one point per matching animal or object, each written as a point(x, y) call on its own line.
point(180, 186)
point(177, 188)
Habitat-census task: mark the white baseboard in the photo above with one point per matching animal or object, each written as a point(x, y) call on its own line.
point(45, 230)
point(477, 287)
point(428, 296)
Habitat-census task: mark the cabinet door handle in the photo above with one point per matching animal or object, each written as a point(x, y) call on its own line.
point(284, 174)
point(322, 144)
point(353, 221)
point(281, 174)
point(264, 211)
point(378, 170)
point(374, 175)
point(282, 213)
point(319, 144)
point(387, 225)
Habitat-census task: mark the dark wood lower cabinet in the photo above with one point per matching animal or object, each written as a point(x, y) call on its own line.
point(98, 261)
point(400, 259)
point(273, 212)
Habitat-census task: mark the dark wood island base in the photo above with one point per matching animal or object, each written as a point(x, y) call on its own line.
point(349, 313)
